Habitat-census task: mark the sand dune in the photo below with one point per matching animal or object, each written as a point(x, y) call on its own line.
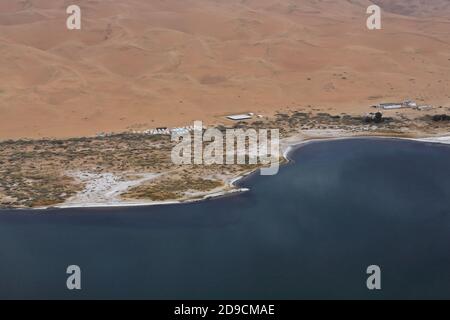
point(148, 63)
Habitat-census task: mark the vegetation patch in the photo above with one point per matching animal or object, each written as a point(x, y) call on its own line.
point(171, 188)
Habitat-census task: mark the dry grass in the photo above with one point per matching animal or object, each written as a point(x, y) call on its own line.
point(172, 188)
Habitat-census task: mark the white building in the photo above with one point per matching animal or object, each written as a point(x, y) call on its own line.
point(391, 106)
point(240, 117)
point(410, 104)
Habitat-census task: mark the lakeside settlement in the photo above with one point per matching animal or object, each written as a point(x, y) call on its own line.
point(135, 168)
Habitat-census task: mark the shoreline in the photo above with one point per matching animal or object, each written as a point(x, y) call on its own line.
point(287, 146)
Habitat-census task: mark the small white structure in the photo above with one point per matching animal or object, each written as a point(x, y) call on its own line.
point(423, 108)
point(410, 104)
point(180, 131)
point(240, 117)
point(391, 106)
point(397, 105)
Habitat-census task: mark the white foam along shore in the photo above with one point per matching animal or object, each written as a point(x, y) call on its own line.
point(104, 190)
point(144, 203)
point(111, 196)
point(443, 140)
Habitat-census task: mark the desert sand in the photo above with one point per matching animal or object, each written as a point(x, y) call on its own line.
point(150, 63)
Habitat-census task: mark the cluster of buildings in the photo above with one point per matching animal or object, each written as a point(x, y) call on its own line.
point(153, 132)
point(401, 105)
point(166, 131)
point(180, 130)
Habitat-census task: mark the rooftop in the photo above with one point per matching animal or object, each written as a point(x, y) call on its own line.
point(239, 117)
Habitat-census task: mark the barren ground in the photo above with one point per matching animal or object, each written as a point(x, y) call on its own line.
point(148, 63)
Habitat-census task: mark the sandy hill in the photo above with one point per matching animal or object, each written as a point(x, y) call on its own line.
point(149, 63)
point(423, 8)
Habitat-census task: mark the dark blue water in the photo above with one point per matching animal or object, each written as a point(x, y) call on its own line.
point(309, 232)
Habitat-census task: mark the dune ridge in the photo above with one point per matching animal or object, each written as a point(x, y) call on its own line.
point(145, 64)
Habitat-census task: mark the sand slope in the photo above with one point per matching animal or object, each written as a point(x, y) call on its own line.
point(149, 63)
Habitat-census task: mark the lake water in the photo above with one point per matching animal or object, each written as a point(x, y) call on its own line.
point(309, 232)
